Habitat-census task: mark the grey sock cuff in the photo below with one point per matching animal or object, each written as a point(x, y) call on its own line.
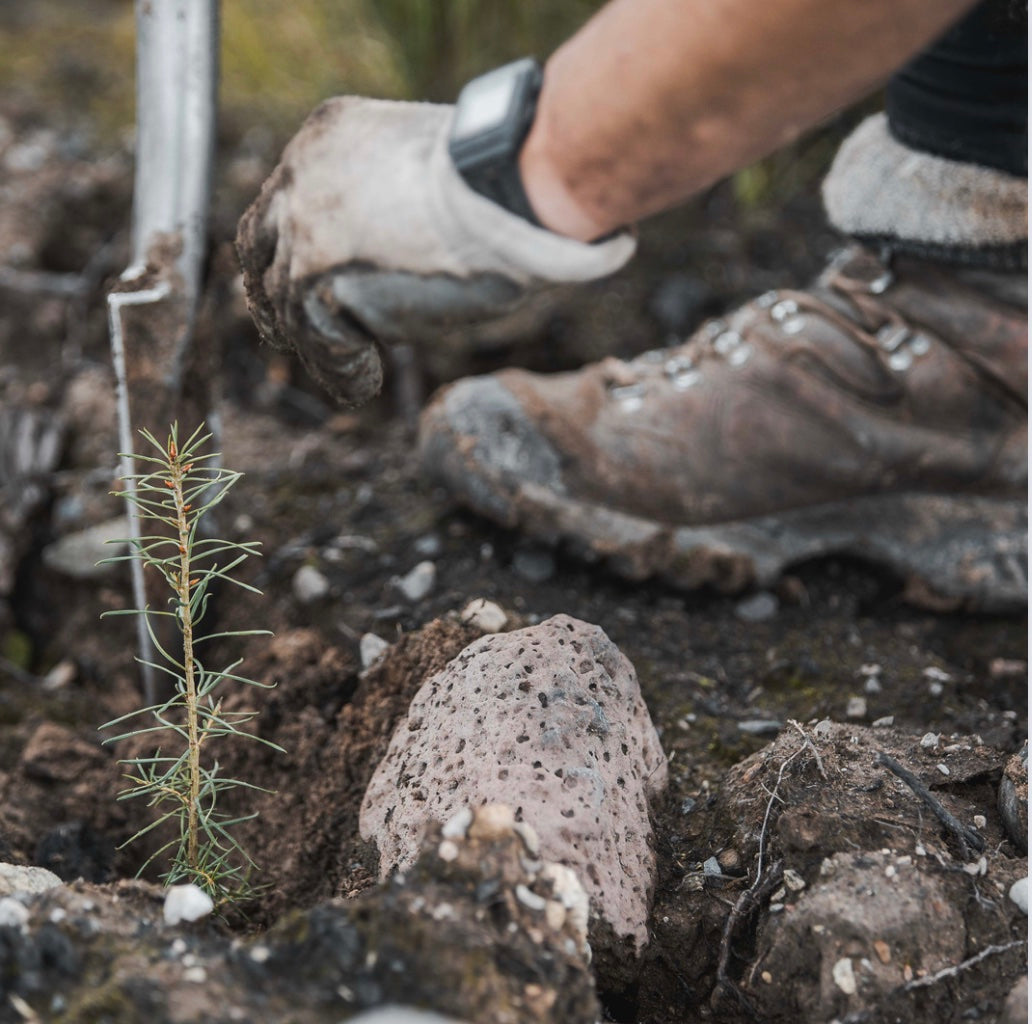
point(884, 192)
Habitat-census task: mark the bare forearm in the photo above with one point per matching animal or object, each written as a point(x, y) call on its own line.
point(654, 100)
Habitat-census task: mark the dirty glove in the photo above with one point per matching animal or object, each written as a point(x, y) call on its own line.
point(365, 233)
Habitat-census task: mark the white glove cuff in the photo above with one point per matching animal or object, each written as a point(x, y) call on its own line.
point(487, 236)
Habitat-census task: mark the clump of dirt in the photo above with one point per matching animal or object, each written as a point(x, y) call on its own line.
point(335, 728)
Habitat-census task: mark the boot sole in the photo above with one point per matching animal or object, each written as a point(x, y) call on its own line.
point(953, 553)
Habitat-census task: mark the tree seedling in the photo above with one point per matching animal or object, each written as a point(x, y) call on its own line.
point(181, 486)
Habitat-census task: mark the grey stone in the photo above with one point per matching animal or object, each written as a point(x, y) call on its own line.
point(370, 647)
point(18, 878)
point(418, 582)
point(548, 719)
point(757, 607)
point(535, 565)
point(309, 584)
point(78, 554)
point(1019, 895)
point(484, 615)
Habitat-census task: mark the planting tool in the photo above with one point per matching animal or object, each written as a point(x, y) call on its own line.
point(152, 311)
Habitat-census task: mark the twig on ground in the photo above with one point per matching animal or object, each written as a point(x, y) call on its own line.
point(764, 884)
point(749, 900)
point(952, 972)
point(810, 745)
point(967, 839)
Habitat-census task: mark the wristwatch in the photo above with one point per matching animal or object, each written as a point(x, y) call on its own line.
point(493, 115)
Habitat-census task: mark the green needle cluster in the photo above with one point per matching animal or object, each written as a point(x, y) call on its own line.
point(182, 485)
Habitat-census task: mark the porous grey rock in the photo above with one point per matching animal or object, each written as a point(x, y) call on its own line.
point(19, 878)
point(549, 720)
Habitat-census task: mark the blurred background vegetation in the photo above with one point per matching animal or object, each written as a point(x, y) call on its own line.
point(278, 59)
point(73, 61)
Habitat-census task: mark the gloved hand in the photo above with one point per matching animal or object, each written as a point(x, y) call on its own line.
point(365, 234)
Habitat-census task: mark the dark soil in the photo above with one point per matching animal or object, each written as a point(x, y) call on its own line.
point(342, 493)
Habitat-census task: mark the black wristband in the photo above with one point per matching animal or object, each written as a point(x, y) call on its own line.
point(493, 116)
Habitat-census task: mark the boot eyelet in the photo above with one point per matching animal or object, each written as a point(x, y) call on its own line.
point(629, 397)
point(784, 309)
point(901, 359)
point(892, 336)
point(919, 344)
point(727, 342)
point(683, 381)
point(880, 285)
point(677, 365)
point(740, 356)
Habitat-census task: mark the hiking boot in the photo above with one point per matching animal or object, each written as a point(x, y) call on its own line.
point(880, 413)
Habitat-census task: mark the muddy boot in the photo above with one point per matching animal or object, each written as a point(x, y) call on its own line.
point(880, 413)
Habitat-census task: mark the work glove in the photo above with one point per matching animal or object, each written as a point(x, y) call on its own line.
point(366, 235)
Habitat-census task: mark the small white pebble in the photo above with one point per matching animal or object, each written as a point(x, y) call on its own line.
point(793, 880)
point(13, 914)
point(555, 914)
point(492, 821)
point(186, 903)
point(920, 851)
point(856, 707)
point(942, 769)
point(936, 674)
point(890, 871)
point(197, 975)
point(418, 582)
point(448, 850)
point(930, 740)
point(979, 821)
point(455, 827)
point(979, 867)
point(530, 838)
point(712, 866)
point(843, 975)
point(935, 688)
point(178, 948)
point(1019, 894)
point(309, 584)
point(259, 954)
point(529, 899)
point(883, 723)
point(371, 648)
point(484, 615)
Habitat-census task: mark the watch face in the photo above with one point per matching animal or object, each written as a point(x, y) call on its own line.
point(485, 103)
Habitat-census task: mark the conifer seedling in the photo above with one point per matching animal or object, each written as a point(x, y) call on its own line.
point(182, 485)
